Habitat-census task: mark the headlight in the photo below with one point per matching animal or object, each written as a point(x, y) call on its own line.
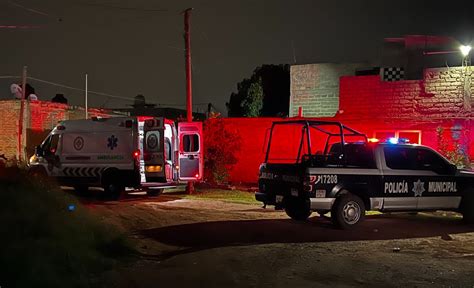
point(33, 159)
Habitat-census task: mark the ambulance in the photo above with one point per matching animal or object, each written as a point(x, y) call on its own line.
point(146, 153)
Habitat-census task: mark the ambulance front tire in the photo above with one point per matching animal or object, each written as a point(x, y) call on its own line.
point(154, 192)
point(113, 191)
point(81, 190)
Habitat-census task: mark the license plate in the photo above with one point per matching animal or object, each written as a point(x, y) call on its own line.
point(320, 193)
point(279, 198)
point(294, 192)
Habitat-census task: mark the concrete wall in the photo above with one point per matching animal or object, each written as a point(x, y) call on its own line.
point(315, 87)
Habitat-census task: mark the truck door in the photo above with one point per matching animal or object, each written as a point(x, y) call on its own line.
point(190, 153)
point(153, 150)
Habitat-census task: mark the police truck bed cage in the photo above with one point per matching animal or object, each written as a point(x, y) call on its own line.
point(336, 133)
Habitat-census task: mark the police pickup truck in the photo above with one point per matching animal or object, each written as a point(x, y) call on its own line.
point(307, 168)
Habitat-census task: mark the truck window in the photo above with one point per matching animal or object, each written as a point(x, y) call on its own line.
point(359, 156)
point(429, 160)
point(415, 159)
point(191, 143)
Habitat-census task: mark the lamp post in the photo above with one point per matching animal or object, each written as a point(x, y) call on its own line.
point(465, 49)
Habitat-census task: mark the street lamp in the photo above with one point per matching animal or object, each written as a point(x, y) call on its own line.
point(465, 49)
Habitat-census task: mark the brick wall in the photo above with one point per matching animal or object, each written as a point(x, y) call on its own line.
point(9, 127)
point(315, 87)
point(442, 94)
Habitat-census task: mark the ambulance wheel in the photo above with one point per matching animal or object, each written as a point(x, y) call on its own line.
point(154, 192)
point(81, 190)
point(467, 207)
point(113, 191)
point(297, 209)
point(348, 210)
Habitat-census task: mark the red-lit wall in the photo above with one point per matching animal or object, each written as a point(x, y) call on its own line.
point(368, 104)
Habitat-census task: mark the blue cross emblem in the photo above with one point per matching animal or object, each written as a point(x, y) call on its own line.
point(112, 142)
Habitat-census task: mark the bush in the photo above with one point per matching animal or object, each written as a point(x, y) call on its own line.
point(49, 239)
point(222, 146)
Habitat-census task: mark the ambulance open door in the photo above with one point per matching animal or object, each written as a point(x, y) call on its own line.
point(190, 152)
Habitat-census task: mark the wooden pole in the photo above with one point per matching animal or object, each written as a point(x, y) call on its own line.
point(188, 66)
point(22, 107)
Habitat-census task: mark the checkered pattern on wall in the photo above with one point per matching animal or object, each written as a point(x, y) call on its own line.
point(392, 74)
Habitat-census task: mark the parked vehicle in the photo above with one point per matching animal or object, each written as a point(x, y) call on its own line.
point(329, 167)
point(114, 153)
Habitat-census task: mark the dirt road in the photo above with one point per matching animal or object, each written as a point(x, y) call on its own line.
point(189, 243)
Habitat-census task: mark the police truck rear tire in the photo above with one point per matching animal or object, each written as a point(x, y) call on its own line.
point(467, 207)
point(348, 211)
point(298, 209)
point(154, 192)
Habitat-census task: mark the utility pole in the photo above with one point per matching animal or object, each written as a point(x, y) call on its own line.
point(187, 49)
point(188, 67)
point(22, 108)
point(86, 96)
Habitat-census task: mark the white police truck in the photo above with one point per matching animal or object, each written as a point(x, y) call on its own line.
point(329, 167)
point(146, 153)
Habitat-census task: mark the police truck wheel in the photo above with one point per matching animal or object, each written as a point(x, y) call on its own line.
point(348, 210)
point(154, 192)
point(297, 209)
point(467, 207)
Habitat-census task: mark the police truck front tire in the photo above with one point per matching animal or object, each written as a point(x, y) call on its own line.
point(348, 211)
point(467, 207)
point(297, 209)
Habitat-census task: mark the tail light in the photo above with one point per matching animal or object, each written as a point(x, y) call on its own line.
point(136, 154)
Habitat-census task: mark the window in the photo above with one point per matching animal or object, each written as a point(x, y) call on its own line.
point(152, 141)
point(191, 143)
point(415, 159)
point(50, 144)
point(168, 149)
point(413, 136)
point(359, 156)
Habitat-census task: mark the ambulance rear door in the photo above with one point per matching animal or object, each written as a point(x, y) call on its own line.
point(190, 153)
point(153, 150)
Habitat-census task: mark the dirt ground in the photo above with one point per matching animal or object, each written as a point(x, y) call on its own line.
point(210, 243)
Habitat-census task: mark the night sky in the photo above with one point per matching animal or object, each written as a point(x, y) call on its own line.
point(136, 47)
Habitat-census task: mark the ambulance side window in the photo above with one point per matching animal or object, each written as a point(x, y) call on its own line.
point(50, 144)
point(191, 143)
point(168, 149)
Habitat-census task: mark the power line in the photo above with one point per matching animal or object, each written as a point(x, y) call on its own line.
point(29, 9)
point(123, 8)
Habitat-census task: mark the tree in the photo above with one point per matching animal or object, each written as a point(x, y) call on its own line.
point(274, 81)
point(253, 102)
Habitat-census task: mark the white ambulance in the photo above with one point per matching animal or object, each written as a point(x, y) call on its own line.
point(114, 153)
